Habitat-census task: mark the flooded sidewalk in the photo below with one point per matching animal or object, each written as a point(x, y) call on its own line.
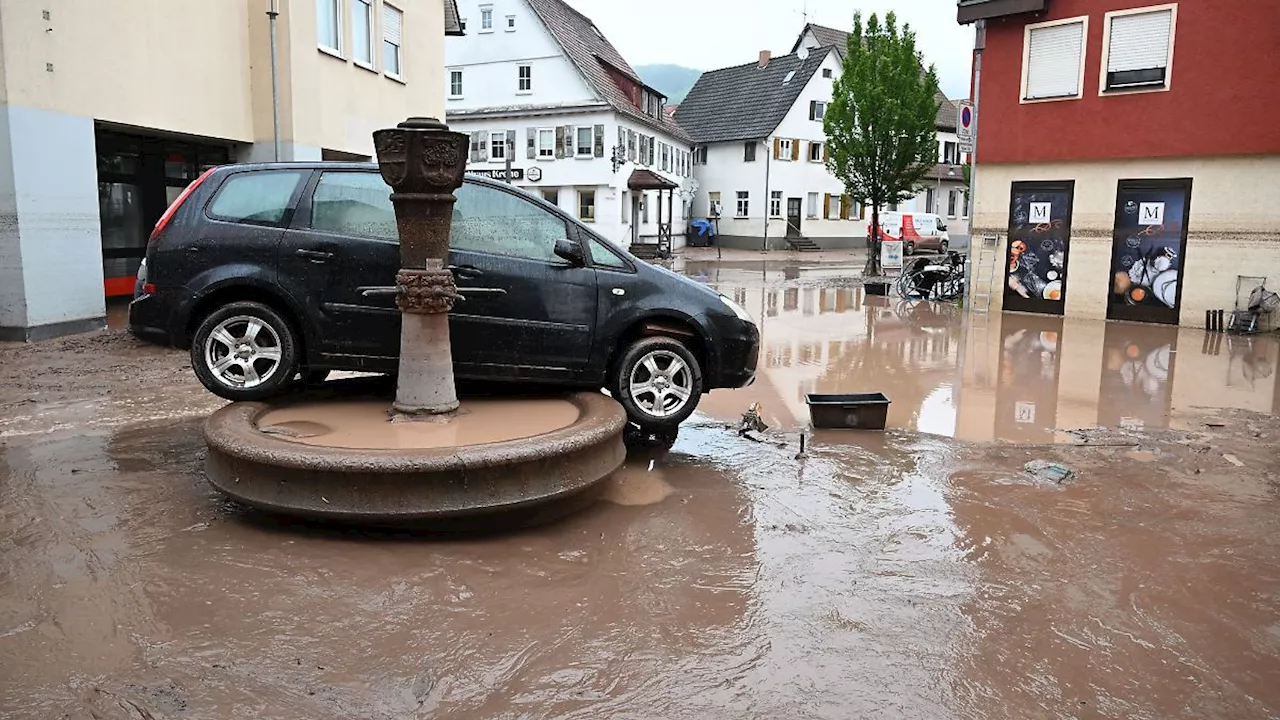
point(915, 573)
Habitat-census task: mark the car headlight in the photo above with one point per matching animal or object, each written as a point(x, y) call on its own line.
point(737, 309)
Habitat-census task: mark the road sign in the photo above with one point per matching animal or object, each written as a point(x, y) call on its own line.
point(965, 126)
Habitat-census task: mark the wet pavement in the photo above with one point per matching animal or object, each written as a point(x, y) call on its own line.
point(916, 573)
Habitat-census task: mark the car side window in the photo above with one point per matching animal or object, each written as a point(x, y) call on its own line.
point(354, 203)
point(489, 220)
point(601, 256)
point(260, 198)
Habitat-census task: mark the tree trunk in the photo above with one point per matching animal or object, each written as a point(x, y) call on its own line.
point(872, 268)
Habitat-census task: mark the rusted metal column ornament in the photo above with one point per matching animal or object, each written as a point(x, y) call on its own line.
point(424, 163)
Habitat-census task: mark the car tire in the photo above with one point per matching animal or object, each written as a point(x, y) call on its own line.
point(244, 351)
point(909, 248)
point(942, 247)
point(653, 373)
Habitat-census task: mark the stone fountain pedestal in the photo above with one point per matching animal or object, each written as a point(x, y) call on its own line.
point(423, 458)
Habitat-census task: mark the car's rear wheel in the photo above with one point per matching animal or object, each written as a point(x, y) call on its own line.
point(244, 351)
point(658, 382)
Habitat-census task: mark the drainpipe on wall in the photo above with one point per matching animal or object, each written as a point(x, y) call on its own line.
point(768, 159)
point(273, 12)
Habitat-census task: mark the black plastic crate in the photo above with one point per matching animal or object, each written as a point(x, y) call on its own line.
point(875, 288)
point(860, 411)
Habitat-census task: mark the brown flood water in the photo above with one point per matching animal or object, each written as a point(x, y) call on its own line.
point(905, 574)
point(367, 424)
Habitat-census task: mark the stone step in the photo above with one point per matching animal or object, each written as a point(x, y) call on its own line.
point(803, 245)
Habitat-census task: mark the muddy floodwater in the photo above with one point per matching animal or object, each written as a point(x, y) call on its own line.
point(916, 573)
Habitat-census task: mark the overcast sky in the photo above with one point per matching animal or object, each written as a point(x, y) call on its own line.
point(709, 34)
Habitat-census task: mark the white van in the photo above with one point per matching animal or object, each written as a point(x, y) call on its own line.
point(917, 231)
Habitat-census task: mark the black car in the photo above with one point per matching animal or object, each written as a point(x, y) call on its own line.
point(261, 270)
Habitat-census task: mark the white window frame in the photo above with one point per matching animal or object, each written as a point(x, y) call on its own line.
point(399, 74)
point(1106, 50)
point(775, 203)
point(372, 15)
point(818, 146)
point(595, 208)
point(498, 134)
point(551, 151)
point(953, 202)
point(742, 208)
point(784, 149)
point(462, 76)
point(811, 205)
point(1026, 58)
point(337, 21)
point(486, 9)
point(510, 24)
point(519, 70)
point(590, 147)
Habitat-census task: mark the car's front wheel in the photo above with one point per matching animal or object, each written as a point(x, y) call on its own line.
point(909, 248)
point(244, 351)
point(658, 382)
point(943, 247)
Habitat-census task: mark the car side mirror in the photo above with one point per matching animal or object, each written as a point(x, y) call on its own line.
point(571, 251)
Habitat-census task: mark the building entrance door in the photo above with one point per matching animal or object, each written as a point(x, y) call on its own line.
point(793, 217)
point(138, 177)
point(1148, 247)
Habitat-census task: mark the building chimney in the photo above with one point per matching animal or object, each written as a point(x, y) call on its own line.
point(765, 56)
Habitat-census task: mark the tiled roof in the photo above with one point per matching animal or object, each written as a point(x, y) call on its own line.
point(840, 40)
point(452, 23)
point(745, 102)
point(641, 179)
point(825, 36)
point(591, 53)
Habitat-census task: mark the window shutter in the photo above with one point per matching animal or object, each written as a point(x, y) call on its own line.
point(511, 144)
point(813, 109)
point(631, 145)
point(845, 203)
point(824, 151)
point(569, 141)
point(475, 146)
point(484, 145)
point(826, 206)
point(391, 25)
point(777, 148)
point(652, 142)
point(1140, 41)
point(560, 141)
point(1053, 61)
point(795, 149)
point(533, 144)
point(599, 149)
point(622, 137)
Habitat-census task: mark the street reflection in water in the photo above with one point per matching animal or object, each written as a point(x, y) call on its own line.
point(974, 376)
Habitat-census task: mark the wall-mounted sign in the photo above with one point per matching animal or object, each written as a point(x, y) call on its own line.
point(500, 173)
point(534, 174)
point(1035, 278)
point(1148, 244)
point(964, 128)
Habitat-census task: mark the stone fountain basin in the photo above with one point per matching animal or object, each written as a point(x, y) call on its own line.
point(406, 485)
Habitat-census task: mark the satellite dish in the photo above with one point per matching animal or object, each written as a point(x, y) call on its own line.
point(803, 53)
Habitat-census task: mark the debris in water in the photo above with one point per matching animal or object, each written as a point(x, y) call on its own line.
point(751, 420)
point(1049, 472)
point(1233, 460)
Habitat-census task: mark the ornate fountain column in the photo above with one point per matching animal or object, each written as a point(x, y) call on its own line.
point(423, 162)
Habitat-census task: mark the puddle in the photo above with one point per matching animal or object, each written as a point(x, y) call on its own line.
point(361, 424)
point(1015, 378)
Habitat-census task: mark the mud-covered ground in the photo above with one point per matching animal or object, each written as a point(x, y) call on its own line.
point(906, 574)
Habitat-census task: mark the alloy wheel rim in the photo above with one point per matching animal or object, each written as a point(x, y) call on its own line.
point(661, 384)
point(243, 352)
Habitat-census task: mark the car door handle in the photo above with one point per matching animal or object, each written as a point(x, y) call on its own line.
point(466, 272)
point(315, 256)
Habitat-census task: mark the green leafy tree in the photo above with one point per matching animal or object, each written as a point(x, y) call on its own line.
point(880, 126)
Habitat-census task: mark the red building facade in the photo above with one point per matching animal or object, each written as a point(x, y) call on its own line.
point(1129, 154)
point(1222, 95)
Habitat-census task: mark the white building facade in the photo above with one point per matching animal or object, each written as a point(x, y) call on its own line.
point(760, 153)
point(546, 97)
